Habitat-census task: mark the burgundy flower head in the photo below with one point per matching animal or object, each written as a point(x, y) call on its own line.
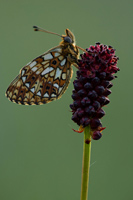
point(92, 87)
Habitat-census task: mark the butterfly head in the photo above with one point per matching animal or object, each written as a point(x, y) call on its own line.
point(69, 37)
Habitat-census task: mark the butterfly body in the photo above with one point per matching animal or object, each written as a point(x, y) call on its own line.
point(46, 77)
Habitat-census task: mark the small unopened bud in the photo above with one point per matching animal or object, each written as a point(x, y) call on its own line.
point(96, 135)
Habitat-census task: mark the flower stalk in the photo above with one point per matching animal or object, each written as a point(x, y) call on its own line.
point(97, 68)
point(86, 163)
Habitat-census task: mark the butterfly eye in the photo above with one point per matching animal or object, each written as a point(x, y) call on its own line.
point(67, 39)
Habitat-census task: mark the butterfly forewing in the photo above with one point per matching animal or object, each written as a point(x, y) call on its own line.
point(42, 80)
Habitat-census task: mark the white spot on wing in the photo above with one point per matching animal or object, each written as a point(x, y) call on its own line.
point(56, 85)
point(60, 57)
point(64, 76)
point(32, 89)
point(60, 89)
point(39, 93)
point(47, 70)
point(23, 71)
point(23, 78)
point(63, 62)
point(38, 72)
point(46, 95)
point(56, 54)
point(27, 84)
point(52, 73)
point(58, 73)
point(33, 64)
point(46, 76)
point(48, 56)
point(45, 63)
point(34, 69)
point(53, 95)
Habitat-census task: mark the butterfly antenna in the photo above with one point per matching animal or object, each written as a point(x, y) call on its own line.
point(36, 28)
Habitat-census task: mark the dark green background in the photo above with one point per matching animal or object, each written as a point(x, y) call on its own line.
point(40, 155)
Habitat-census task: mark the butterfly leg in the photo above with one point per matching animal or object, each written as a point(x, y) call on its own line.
point(76, 65)
point(73, 60)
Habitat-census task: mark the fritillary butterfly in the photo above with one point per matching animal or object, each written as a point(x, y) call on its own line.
point(46, 77)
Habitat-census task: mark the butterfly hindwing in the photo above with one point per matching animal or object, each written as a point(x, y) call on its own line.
point(42, 80)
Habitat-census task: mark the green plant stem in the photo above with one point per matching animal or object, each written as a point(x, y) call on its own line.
point(86, 163)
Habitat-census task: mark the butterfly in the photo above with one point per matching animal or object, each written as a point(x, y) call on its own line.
point(46, 78)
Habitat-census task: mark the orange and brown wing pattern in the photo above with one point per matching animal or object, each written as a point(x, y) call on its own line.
point(42, 80)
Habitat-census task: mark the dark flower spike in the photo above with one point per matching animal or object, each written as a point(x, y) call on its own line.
point(97, 67)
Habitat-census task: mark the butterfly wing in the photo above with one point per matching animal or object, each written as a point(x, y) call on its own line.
point(42, 80)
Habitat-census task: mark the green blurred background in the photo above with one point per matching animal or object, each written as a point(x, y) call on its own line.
point(40, 155)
